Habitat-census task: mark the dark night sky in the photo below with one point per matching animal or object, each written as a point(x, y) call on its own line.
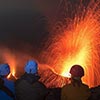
point(22, 21)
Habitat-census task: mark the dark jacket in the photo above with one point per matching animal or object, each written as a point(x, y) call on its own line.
point(29, 88)
point(54, 94)
point(71, 92)
point(95, 93)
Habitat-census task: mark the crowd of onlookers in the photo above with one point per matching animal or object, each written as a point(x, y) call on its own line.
point(28, 86)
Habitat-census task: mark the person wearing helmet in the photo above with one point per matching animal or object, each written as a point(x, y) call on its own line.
point(76, 90)
point(28, 87)
point(7, 90)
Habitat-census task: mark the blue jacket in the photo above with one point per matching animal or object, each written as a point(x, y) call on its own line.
point(10, 85)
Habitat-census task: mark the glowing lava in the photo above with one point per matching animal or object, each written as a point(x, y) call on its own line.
point(9, 58)
point(78, 43)
point(16, 61)
point(81, 45)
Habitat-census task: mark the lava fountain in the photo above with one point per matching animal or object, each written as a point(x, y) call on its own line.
point(78, 43)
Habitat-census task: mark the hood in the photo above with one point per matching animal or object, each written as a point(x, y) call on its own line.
point(31, 78)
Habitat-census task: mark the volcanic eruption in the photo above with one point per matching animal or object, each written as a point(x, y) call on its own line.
point(75, 39)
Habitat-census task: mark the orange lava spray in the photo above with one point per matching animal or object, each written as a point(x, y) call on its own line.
point(78, 43)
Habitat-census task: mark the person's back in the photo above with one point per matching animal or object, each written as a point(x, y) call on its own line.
point(6, 86)
point(76, 90)
point(28, 86)
point(70, 92)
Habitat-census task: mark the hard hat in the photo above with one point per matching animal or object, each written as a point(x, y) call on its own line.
point(77, 71)
point(31, 67)
point(4, 69)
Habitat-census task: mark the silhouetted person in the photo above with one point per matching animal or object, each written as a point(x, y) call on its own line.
point(95, 93)
point(6, 86)
point(28, 86)
point(76, 90)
